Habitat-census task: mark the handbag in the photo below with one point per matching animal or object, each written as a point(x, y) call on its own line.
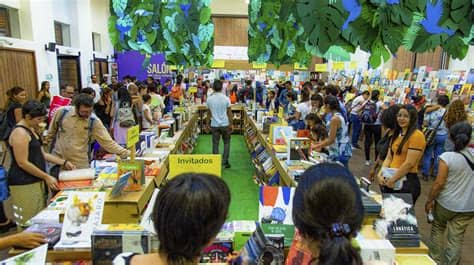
point(430, 134)
point(383, 145)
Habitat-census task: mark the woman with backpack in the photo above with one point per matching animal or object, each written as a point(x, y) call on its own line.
point(372, 124)
point(451, 199)
point(123, 116)
point(434, 121)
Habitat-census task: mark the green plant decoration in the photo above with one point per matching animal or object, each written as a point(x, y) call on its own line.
point(134, 25)
point(275, 36)
point(182, 29)
point(441, 23)
point(189, 32)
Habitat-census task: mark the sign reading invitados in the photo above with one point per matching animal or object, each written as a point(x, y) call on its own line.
point(210, 164)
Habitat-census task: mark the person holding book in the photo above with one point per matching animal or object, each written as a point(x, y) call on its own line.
point(23, 240)
point(188, 213)
point(327, 213)
point(401, 164)
point(27, 175)
point(451, 199)
point(338, 141)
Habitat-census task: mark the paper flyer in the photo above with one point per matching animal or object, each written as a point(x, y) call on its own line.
point(275, 205)
point(32, 257)
point(83, 213)
point(56, 103)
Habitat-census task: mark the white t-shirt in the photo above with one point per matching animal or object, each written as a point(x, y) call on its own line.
point(304, 108)
point(458, 192)
point(357, 104)
point(145, 123)
point(97, 90)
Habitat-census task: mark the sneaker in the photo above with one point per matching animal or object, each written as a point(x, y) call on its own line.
point(367, 163)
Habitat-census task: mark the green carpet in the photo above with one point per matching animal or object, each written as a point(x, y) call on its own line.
point(244, 201)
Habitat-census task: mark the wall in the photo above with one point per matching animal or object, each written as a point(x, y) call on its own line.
point(36, 23)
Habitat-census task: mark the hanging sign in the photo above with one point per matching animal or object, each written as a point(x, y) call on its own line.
point(179, 164)
point(298, 66)
point(218, 64)
point(338, 65)
point(259, 65)
point(133, 135)
point(353, 65)
point(321, 67)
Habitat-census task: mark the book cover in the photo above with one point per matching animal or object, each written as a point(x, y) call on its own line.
point(137, 179)
point(298, 148)
point(120, 185)
point(298, 253)
point(106, 245)
point(275, 205)
point(217, 252)
point(287, 231)
point(33, 257)
point(83, 213)
point(74, 184)
point(279, 133)
point(261, 250)
point(51, 232)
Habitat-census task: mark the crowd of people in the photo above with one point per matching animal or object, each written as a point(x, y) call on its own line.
point(406, 137)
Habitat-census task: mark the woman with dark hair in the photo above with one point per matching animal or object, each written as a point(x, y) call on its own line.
point(406, 150)
point(104, 108)
point(188, 213)
point(317, 103)
point(328, 214)
point(373, 131)
point(388, 120)
point(302, 110)
point(124, 101)
point(290, 107)
point(456, 113)
point(16, 96)
point(451, 199)
point(27, 174)
point(44, 96)
point(338, 141)
point(435, 120)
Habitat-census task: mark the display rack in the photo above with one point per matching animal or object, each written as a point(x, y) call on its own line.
point(237, 118)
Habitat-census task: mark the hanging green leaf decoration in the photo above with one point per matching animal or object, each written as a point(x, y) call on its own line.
point(275, 36)
point(182, 29)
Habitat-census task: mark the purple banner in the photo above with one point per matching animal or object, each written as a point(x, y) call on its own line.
point(130, 63)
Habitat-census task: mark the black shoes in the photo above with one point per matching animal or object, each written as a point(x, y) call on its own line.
point(226, 165)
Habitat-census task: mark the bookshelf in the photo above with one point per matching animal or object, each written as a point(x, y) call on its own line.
point(237, 118)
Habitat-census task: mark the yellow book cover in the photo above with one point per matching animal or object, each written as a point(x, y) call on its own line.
point(414, 259)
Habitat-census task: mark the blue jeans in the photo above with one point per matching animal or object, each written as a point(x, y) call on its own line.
point(356, 128)
point(433, 151)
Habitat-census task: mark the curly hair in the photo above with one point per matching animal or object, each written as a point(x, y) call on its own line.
point(455, 114)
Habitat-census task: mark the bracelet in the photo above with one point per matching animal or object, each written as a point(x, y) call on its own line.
point(64, 164)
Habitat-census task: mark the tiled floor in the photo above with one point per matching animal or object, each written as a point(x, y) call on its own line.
point(357, 166)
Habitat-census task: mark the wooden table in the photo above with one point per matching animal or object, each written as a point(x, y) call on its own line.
point(369, 233)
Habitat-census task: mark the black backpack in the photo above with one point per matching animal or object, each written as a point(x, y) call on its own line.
point(369, 112)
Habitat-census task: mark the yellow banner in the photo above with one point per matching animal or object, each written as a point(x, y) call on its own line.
point(179, 164)
point(133, 135)
point(353, 65)
point(218, 64)
point(338, 65)
point(321, 67)
point(298, 66)
point(259, 65)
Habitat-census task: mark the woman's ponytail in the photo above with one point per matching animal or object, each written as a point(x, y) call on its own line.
point(337, 248)
point(460, 134)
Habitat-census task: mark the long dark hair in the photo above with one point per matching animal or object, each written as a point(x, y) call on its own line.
point(189, 212)
point(375, 95)
point(333, 103)
point(11, 93)
point(43, 85)
point(460, 133)
point(412, 126)
point(389, 117)
point(124, 96)
point(327, 208)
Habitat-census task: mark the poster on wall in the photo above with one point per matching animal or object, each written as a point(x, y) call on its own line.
point(130, 63)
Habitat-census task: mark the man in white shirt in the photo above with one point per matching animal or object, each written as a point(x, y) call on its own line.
point(357, 105)
point(95, 85)
point(220, 117)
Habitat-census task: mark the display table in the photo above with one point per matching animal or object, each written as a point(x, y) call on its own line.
point(368, 232)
